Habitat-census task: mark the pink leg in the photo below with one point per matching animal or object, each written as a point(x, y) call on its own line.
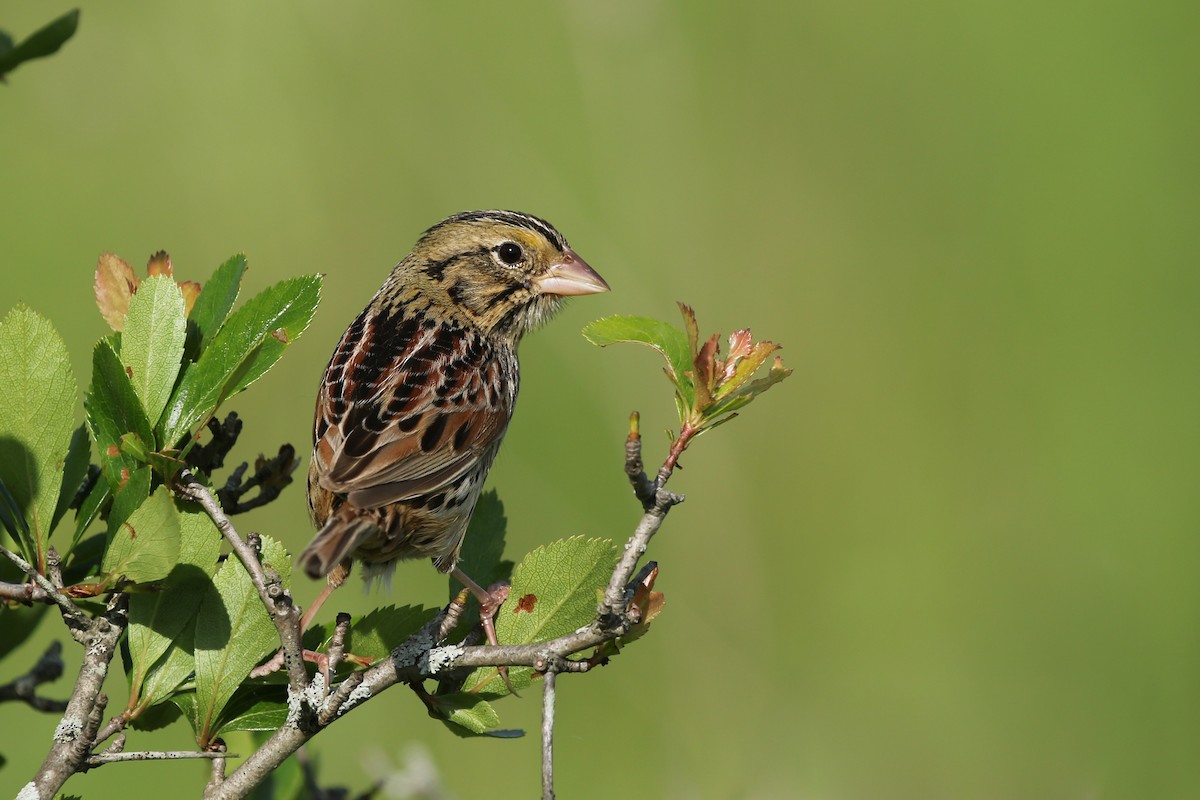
point(490, 601)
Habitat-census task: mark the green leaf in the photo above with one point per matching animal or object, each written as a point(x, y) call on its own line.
point(145, 546)
point(553, 593)
point(113, 410)
point(152, 344)
point(255, 707)
point(233, 633)
point(375, 636)
point(155, 718)
point(128, 499)
point(12, 518)
point(45, 41)
point(37, 415)
point(213, 305)
point(159, 621)
point(92, 504)
point(746, 393)
point(74, 470)
point(466, 712)
point(246, 346)
point(666, 339)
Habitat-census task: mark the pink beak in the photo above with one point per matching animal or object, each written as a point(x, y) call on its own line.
point(569, 276)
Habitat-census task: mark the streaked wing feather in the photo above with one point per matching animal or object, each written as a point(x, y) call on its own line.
point(412, 425)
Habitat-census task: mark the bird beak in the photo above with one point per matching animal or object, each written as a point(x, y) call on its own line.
point(570, 275)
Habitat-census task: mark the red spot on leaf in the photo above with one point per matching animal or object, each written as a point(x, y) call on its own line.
point(112, 451)
point(132, 532)
point(526, 604)
point(129, 371)
point(281, 335)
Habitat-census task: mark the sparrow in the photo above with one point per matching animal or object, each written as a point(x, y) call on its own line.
point(419, 392)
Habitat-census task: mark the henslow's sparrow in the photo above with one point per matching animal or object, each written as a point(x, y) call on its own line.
point(419, 392)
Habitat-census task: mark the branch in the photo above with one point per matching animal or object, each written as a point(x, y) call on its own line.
point(548, 692)
point(75, 618)
point(278, 602)
point(76, 733)
point(47, 669)
point(101, 759)
point(25, 593)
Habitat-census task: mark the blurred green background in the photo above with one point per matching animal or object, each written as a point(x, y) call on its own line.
point(954, 555)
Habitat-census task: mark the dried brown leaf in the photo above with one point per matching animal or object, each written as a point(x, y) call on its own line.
point(191, 290)
point(114, 284)
point(160, 264)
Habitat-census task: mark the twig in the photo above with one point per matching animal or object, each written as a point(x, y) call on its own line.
point(70, 611)
point(278, 602)
point(101, 759)
point(23, 593)
point(337, 644)
point(548, 692)
point(48, 668)
point(216, 775)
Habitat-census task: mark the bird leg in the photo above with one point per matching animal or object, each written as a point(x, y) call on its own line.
point(490, 600)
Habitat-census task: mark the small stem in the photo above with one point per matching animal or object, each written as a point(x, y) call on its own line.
point(70, 611)
point(99, 759)
point(548, 698)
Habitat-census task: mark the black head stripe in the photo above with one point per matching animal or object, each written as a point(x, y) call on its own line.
point(515, 218)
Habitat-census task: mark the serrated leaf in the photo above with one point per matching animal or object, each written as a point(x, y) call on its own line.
point(74, 470)
point(668, 340)
point(553, 593)
point(746, 393)
point(214, 303)
point(467, 713)
point(165, 621)
point(233, 633)
point(37, 415)
point(113, 410)
point(247, 345)
point(152, 342)
point(113, 285)
point(740, 368)
point(374, 636)
point(43, 42)
point(145, 546)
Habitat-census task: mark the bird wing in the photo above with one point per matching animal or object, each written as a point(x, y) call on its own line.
point(406, 410)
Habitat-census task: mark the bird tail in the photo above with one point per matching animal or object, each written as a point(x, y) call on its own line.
point(338, 538)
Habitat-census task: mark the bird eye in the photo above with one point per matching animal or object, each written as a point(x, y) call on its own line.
point(510, 253)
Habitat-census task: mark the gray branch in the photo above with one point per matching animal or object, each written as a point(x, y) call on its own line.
point(49, 592)
point(152, 755)
point(548, 698)
point(76, 733)
point(277, 600)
